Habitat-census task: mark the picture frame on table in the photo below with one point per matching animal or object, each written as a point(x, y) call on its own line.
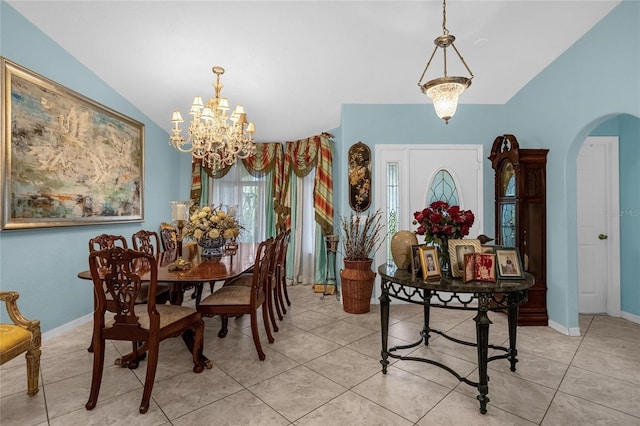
point(468, 271)
point(416, 268)
point(66, 159)
point(509, 264)
point(457, 249)
point(484, 267)
point(429, 262)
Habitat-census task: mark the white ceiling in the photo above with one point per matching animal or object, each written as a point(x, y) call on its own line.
point(294, 63)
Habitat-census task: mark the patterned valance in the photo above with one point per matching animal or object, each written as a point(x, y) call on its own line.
point(301, 157)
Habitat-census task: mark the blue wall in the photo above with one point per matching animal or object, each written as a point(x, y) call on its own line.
point(42, 263)
point(591, 82)
point(556, 110)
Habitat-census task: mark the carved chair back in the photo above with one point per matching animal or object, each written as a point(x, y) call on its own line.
point(146, 241)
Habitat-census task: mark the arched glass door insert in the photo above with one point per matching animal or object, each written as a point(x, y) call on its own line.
point(443, 188)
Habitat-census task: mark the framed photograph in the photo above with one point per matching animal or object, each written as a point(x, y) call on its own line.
point(468, 271)
point(416, 268)
point(509, 264)
point(457, 250)
point(66, 160)
point(429, 262)
point(484, 268)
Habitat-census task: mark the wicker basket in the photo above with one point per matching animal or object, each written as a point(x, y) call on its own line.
point(357, 286)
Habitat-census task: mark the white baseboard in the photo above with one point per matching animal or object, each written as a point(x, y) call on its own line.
point(66, 327)
point(567, 331)
point(630, 317)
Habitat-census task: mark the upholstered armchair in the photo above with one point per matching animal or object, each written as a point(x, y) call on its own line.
point(22, 336)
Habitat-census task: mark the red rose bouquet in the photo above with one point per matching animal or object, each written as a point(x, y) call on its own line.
point(440, 222)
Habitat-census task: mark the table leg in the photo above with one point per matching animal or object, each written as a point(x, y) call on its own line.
point(426, 299)
point(176, 294)
point(384, 321)
point(482, 334)
point(512, 318)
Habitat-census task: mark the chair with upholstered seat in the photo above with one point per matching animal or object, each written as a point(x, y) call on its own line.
point(22, 336)
point(149, 242)
point(106, 241)
point(280, 287)
point(116, 272)
point(235, 300)
point(146, 241)
point(273, 304)
point(169, 236)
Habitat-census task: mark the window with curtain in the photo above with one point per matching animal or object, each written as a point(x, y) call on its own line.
point(239, 188)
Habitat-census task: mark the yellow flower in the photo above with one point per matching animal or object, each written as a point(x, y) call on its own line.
point(228, 233)
point(214, 233)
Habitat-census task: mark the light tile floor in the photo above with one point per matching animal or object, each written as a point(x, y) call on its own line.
point(323, 369)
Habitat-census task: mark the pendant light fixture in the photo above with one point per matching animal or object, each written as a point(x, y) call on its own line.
point(444, 91)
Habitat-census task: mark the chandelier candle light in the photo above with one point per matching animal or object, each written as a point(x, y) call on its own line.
point(217, 138)
point(444, 91)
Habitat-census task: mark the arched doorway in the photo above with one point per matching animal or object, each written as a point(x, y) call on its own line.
point(624, 250)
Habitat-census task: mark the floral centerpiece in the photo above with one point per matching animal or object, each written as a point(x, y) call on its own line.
point(441, 222)
point(211, 227)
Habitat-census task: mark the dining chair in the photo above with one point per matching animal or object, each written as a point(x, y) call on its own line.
point(116, 273)
point(149, 242)
point(146, 241)
point(233, 300)
point(20, 336)
point(281, 272)
point(169, 235)
point(107, 241)
point(246, 280)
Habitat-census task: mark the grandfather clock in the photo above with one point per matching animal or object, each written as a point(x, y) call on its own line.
point(521, 216)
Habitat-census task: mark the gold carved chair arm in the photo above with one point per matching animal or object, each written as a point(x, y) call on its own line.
point(10, 298)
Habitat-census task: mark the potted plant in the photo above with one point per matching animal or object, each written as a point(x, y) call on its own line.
point(362, 236)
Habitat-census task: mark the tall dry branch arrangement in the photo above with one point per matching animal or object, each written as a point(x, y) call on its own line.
point(361, 237)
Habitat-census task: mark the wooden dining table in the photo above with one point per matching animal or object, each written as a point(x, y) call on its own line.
point(198, 269)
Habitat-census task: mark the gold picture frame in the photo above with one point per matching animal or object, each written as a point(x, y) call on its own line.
point(457, 249)
point(429, 262)
point(66, 159)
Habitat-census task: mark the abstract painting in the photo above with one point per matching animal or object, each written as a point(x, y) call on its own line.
point(66, 160)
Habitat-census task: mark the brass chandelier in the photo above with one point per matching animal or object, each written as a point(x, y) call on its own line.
point(213, 135)
point(444, 91)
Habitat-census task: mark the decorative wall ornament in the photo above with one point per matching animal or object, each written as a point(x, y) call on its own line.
point(359, 177)
point(66, 159)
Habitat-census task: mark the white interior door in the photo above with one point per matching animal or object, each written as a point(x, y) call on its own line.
point(598, 226)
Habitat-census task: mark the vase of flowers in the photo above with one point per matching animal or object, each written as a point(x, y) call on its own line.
point(211, 227)
point(441, 222)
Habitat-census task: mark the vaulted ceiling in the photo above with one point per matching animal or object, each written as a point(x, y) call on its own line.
point(292, 64)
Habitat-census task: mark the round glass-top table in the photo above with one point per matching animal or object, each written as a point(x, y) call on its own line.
point(505, 295)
